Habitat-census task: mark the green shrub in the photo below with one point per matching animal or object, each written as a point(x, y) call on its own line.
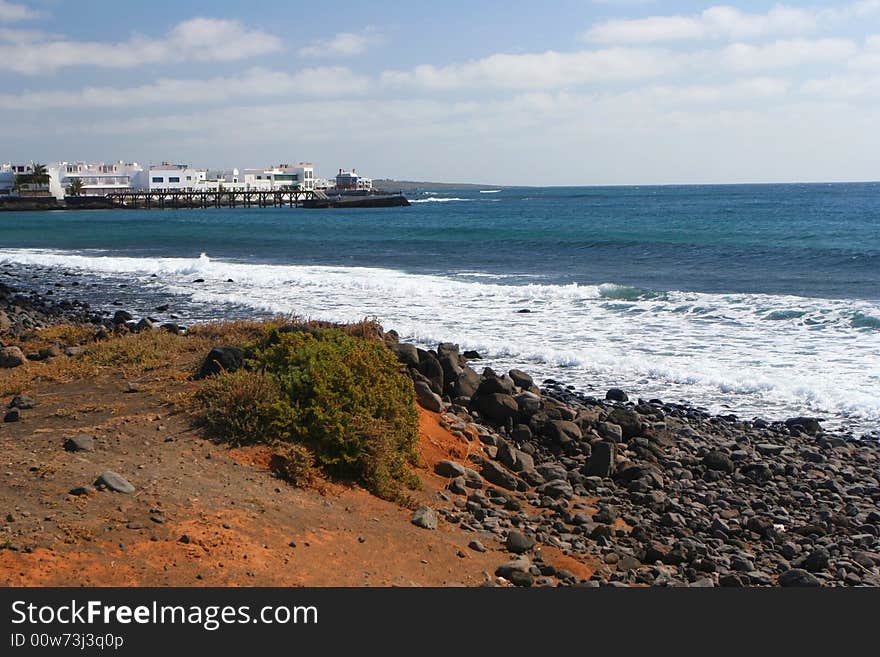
point(340, 395)
point(240, 407)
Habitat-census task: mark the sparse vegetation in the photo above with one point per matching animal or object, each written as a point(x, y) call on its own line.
point(339, 395)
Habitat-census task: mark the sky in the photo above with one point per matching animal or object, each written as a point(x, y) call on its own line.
point(587, 92)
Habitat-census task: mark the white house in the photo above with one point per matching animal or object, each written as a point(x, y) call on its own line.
point(350, 181)
point(175, 177)
point(283, 176)
point(98, 178)
point(7, 179)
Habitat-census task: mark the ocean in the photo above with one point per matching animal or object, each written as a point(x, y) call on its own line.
point(756, 300)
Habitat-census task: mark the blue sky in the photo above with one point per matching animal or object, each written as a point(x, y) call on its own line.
point(586, 92)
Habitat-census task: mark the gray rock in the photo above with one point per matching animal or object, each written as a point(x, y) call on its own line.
point(449, 469)
point(602, 460)
point(520, 565)
point(556, 489)
point(476, 546)
point(518, 543)
point(628, 420)
point(817, 560)
point(426, 398)
point(610, 431)
point(115, 482)
point(23, 402)
point(425, 517)
point(498, 475)
point(496, 407)
point(718, 460)
point(521, 379)
point(221, 359)
point(798, 577)
point(80, 443)
point(616, 394)
point(11, 357)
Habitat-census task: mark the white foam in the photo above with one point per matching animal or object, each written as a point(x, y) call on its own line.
point(757, 353)
point(436, 199)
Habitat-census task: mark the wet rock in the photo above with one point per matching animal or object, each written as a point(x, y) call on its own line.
point(616, 394)
point(807, 425)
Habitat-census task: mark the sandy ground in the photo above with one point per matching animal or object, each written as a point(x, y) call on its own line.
point(202, 513)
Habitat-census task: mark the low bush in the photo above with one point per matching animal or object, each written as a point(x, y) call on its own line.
point(340, 395)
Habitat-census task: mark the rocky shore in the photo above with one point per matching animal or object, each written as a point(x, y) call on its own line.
point(651, 493)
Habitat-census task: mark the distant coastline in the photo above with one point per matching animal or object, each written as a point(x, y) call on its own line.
point(407, 185)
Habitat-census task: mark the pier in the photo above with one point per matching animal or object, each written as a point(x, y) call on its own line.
point(158, 200)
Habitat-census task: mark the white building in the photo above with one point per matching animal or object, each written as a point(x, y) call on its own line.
point(283, 176)
point(7, 179)
point(351, 181)
point(9, 172)
point(175, 177)
point(98, 178)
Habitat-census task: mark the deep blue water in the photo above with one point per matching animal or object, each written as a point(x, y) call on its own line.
point(819, 240)
point(752, 299)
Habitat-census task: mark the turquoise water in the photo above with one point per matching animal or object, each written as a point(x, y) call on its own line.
point(759, 299)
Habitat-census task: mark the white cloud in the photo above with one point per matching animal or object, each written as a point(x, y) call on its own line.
point(723, 22)
point(344, 44)
point(545, 70)
point(14, 11)
point(317, 82)
point(197, 39)
point(783, 54)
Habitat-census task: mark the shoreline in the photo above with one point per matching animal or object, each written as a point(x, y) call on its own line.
point(649, 492)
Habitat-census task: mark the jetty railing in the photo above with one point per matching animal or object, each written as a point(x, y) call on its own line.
point(160, 199)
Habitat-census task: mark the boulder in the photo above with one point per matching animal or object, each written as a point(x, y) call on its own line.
point(115, 482)
point(406, 354)
point(562, 432)
point(449, 469)
point(122, 316)
point(807, 425)
point(610, 431)
point(465, 383)
point(718, 460)
point(513, 458)
point(521, 379)
point(627, 419)
point(496, 407)
point(602, 461)
point(11, 357)
point(495, 384)
point(496, 474)
point(80, 443)
point(556, 489)
point(430, 368)
point(24, 402)
point(798, 577)
point(518, 543)
point(221, 359)
point(616, 394)
point(425, 517)
point(427, 398)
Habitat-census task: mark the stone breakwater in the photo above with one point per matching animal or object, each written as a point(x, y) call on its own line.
point(650, 493)
point(654, 493)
